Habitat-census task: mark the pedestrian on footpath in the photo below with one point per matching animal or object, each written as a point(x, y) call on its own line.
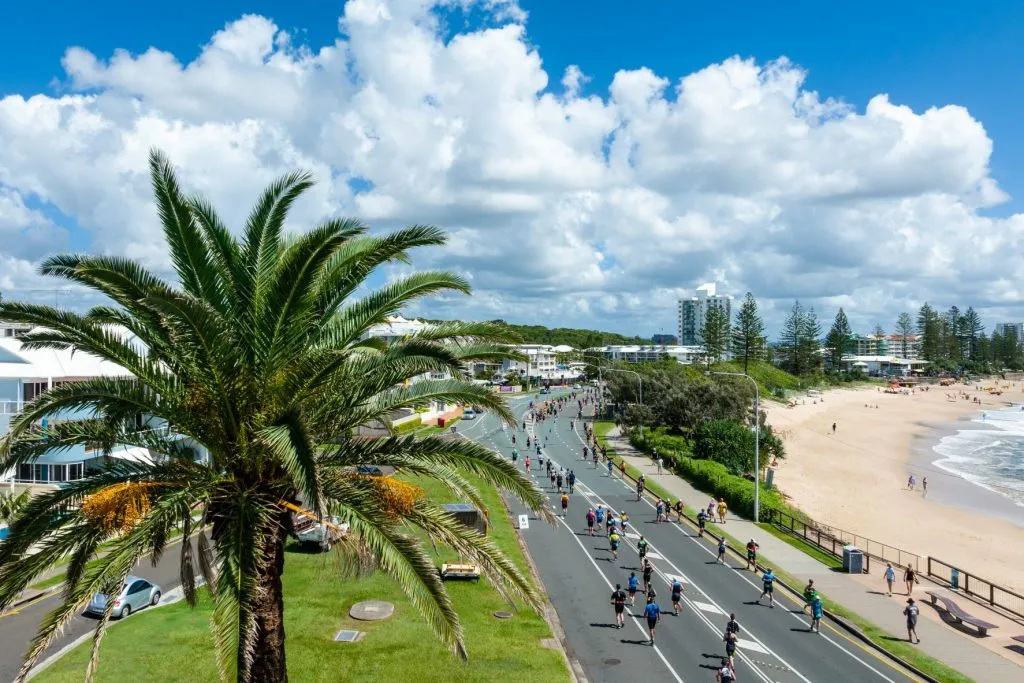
point(910, 578)
point(660, 463)
point(911, 611)
point(816, 610)
point(768, 583)
point(653, 614)
point(565, 504)
point(619, 601)
point(591, 518)
point(890, 578)
point(722, 509)
point(721, 550)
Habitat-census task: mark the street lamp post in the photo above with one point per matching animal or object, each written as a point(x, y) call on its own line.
point(757, 437)
point(639, 379)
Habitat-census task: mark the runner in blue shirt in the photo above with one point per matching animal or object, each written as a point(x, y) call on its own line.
point(599, 514)
point(633, 585)
point(768, 580)
point(653, 614)
point(677, 595)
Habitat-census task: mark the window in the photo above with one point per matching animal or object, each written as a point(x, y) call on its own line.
point(40, 472)
point(58, 472)
point(25, 471)
point(74, 471)
point(138, 587)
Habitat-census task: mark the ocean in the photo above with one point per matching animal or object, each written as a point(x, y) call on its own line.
point(990, 454)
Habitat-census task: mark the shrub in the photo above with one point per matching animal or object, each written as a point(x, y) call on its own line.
point(668, 445)
point(726, 442)
point(409, 426)
point(715, 479)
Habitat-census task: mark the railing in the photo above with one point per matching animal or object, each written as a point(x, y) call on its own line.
point(959, 580)
point(11, 407)
point(832, 540)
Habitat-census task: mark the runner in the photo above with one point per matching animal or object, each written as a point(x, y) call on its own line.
point(726, 673)
point(622, 468)
point(641, 548)
point(513, 439)
point(609, 469)
point(732, 626)
point(526, 463)
point(653, 614)
point(677, 595)
point(816, 610)
point(552, 475)
point(619, 600)
point(591, 518)
point(565, 503)
point(809, 593)
point(648, 571)
point(623, 521)
point(572, 481)
point(768, 580)
point(730, 645)
point(659, 510)
point(634, 585)
point(611, 523)
point(721, 550)
point(515, 455)
point(679, 510)
point(540, 461)
point(752, 547)
point(702, 519)
point(640, 487)
point(613, 543)
point(586, 452)
point(558, 481)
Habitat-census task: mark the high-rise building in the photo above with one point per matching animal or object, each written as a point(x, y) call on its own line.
point(1017, 328)
point(663, 339)
point(694, 310)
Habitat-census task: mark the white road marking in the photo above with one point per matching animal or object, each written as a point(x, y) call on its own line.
point(707, 607)
point(653, 556)
point(751, 645)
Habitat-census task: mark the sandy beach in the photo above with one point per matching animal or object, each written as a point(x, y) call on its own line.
point(856, 479)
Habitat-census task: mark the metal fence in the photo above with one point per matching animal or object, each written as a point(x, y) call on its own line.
point(831, 540)
point(964, 582)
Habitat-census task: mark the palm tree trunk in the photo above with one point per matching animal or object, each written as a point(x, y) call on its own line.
point(268, 664)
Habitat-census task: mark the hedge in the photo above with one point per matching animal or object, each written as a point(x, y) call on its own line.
point(408, 426)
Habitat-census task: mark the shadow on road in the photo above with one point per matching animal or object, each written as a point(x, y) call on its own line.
point(596, 625)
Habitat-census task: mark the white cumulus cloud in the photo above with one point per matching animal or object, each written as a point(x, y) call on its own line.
point(568, 202)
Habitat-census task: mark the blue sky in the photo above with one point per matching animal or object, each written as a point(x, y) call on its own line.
point(921, 54)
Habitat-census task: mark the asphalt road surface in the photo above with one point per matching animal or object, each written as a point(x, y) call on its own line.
point(18, 627)
point(579, 574)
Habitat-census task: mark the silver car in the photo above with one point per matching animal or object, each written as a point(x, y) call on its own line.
point(134, 595)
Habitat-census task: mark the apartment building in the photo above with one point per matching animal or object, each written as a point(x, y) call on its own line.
point(650, 354)
point(1002, 329)
point(693, 311)
point(540, 363)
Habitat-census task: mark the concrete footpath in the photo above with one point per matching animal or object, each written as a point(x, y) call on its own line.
point(938, 639)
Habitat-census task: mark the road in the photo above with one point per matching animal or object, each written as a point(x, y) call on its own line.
point(579, 574)
point(19, 626)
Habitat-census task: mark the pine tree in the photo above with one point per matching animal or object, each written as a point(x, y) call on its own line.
point(839, 339)
point(790, 340)
point(904, 328)
point(715, 334)
point(748, 340)
point(928, 328)
point(973, 330)
point(811, 341)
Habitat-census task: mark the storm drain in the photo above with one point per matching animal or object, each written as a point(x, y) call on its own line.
point(612, 661)
point(347, 636)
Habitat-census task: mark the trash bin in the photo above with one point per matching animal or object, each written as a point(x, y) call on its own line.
point(440, 422)
point(853, 559)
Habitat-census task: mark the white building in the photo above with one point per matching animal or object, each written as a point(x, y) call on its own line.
point(883, 366)
point(694, 310)
point(1002, 329)
point(13, 329)
point(540, 362)
point(26, 373)
point(651, 354)
point(398, 328)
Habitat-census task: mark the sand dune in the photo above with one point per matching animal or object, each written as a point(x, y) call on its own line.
point(856, 479)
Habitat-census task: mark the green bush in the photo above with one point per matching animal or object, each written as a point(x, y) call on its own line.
point(726, 442)
point(669, 445)
point(715, 479)
point(409, 426)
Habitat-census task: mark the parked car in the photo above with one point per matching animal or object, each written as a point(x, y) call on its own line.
point(576, 386)
point(135, 594)
point(468, 414)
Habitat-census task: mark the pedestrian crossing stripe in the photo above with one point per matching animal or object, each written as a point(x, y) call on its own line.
point(707, 607)
point(655, 556)
point(751, 645)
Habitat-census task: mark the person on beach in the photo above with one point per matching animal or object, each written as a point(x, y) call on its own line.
point(833, 427)
point(910, 612)
point(924, 486)
point(890, 578)
point(722, 509)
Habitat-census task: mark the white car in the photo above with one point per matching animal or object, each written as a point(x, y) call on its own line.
point(468, 414)
point(576, 386)
point(134, 595)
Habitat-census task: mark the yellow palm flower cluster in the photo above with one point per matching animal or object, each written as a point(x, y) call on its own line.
point(118, 508)
point(398, 497)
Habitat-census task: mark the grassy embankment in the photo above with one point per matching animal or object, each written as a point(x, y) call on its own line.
point(174, 643)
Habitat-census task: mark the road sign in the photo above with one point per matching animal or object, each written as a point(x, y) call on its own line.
point(524, 522)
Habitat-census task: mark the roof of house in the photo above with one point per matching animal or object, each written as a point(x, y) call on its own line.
point(17, 362)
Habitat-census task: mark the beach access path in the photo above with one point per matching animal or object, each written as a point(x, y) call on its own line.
point(937, 639)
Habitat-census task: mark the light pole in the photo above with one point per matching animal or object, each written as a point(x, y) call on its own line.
point(639, 379)
point(757, 437)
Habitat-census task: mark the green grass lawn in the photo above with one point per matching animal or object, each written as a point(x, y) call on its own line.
point(174, 643)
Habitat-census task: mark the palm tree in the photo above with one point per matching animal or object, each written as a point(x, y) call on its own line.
point(258, 356)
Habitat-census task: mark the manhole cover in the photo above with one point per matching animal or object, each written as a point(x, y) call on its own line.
point(503, 615)
point(371, 610)
point(612, 661)
point(346, 636)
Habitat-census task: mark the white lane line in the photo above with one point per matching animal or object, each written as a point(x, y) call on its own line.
point(750, 645)
point(707, 607)
point(712, 553)
point(653, 556)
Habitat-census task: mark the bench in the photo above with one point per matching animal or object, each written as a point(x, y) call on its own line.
point(954, 610)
